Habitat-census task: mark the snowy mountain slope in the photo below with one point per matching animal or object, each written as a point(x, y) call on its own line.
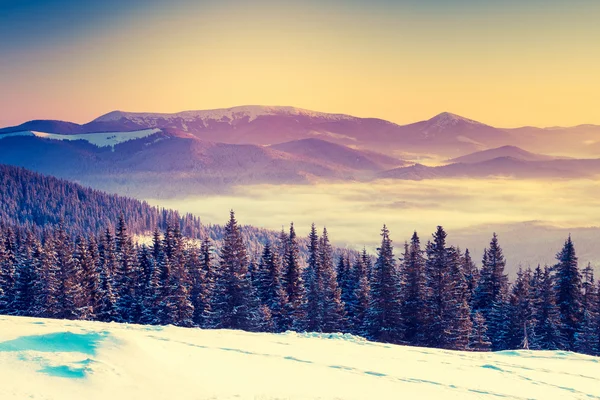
point(445, 135)
point(336, 154)
point(504, 151)
point(100, 139)
point(59, 359)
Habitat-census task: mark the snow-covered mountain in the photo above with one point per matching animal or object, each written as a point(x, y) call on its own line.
point(447, 135)
point(72, 360)
point(161, 163)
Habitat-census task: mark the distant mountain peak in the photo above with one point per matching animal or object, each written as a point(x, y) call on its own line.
point(222, 114)
point(447, 118)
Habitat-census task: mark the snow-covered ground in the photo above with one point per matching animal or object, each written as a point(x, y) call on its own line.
point(72, 360)
point(101, 139)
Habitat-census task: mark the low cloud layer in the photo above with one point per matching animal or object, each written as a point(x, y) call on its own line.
point(469, 209)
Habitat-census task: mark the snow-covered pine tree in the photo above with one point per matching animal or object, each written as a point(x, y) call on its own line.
point(471, 275)
point(478, 340)
point(46, 288)
point(201, 275)
point(84, 263)
point(332, 306)
point(70, 290)
point(294, 284)
point(125, 273)
point(414, 294)
point(457, 317)
point(439, 286)
point(384, 320)
point(521, 309)
point(347, 284)
point(586, 340)
point(361, 293)
point(8, 272)
point(26, 276)
point(493, 284)
point(232, 306)
point(567, 285)
point(313, 284)
point(545, 312)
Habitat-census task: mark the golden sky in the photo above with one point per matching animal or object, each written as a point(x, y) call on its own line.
point(506, 63)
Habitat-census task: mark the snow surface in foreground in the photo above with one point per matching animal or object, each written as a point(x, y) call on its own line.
point(52, 359)
point(101, 139)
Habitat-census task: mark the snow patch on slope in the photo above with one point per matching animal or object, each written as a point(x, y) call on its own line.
point(101, 139)
point(69, 360)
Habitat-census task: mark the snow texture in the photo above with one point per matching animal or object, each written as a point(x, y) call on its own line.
point(101, 139)
point(54, 359)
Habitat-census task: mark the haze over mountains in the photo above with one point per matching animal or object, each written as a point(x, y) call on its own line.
point(157, 155)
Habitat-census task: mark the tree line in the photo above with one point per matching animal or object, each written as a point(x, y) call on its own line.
point(432, 295)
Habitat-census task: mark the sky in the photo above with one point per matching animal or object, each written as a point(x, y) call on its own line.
point(506, 63)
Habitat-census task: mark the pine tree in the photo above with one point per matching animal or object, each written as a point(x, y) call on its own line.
point(384, 321)
point(446, 311)
point(46, 288)
point(586, 340)
point(347, 284)
point(70, 290)
point(492, 284)
point(126, 273)
point(567, 285)
point(201, 274)
point(521, 310)
point(294, 285)
point(84, 263)
point(270, 289)
point(471, 275)
point(458, 313)
point(414, 293)
point(8, 272)
point(479, 341)
point(312, 279)
point(232, 306)
point(361, 294)
point(26, 276)
point(332, 306)
point(545, 312)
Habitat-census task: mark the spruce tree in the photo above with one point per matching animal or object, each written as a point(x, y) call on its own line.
point(545, 313)
point(332, 306)
point(201, 275)
point(567, 285)
point(458, 312)
point(478, 340)
point(313, 283)
point(232, 307)
point(471, 275)
point(361, 294)
point(294, 285)
point(383, 320)
point(8, 272)
point(414, 294)
point(70, 291)
point(586, 340)
point(125, 274)
point(493, 284)
point(26, 276)
point(521, 310)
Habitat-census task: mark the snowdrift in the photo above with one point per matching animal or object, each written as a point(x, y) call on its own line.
point(55, 359)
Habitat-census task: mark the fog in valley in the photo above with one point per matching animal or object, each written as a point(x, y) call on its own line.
point(532, 218)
